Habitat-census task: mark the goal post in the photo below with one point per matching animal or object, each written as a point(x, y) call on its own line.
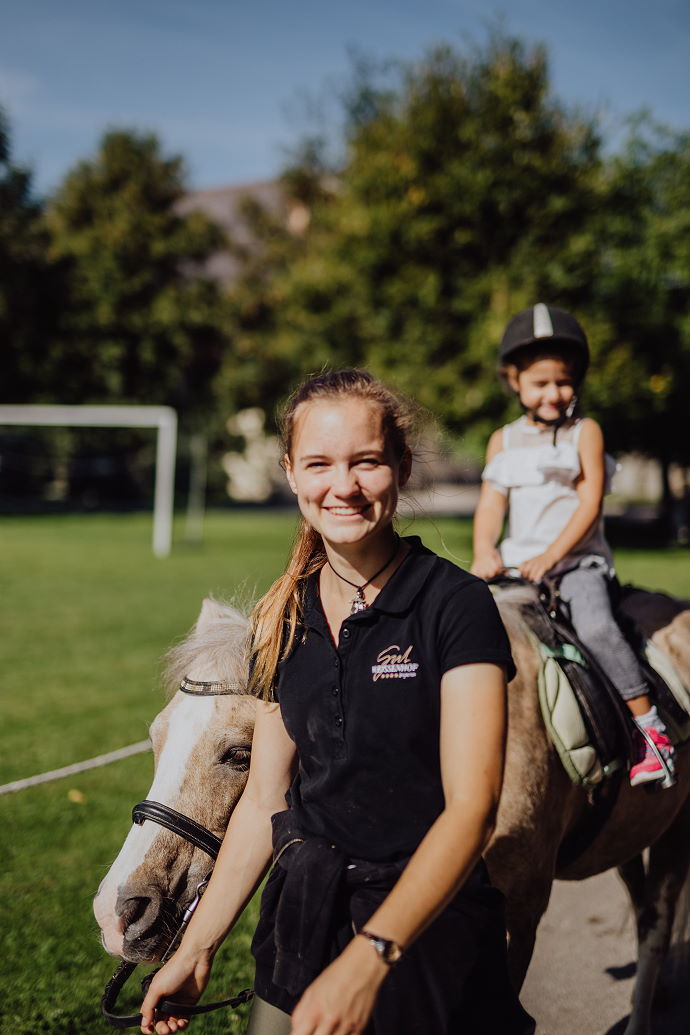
point(163, 418)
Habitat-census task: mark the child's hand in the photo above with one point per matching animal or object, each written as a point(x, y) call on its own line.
point(487, 565)
point(536, 567)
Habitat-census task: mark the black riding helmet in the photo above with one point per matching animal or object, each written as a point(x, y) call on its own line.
point(541, 326)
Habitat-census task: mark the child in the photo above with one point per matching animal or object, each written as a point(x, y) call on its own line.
point(549, 466)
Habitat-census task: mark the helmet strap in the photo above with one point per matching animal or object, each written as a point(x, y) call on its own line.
point(556, 422)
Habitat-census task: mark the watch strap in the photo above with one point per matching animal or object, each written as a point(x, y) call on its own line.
point(386, 949)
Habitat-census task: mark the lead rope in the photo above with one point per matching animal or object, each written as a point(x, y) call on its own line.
point(167, 1006)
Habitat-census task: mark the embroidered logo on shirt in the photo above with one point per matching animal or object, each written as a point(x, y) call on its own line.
point(392, 663)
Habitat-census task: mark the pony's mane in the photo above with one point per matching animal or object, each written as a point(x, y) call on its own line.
point(219, 640)
point(510, 601)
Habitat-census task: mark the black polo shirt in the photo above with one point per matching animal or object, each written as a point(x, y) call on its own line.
point(365, 714)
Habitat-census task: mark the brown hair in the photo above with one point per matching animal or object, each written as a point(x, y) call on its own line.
point(276, 616)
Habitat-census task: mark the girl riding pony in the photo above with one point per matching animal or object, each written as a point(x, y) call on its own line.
point(550, 471)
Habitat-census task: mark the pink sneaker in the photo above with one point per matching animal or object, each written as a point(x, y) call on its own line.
point(649, 765)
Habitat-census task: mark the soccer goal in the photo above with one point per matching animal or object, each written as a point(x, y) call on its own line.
point(163, 418)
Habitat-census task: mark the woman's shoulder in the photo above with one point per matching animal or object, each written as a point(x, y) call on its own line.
point(446, 577)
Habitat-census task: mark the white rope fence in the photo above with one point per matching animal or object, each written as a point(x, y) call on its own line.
point(78, 767)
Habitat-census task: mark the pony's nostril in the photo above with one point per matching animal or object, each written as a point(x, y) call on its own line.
point(133, 909)
point(138, 913)
point(148, 923)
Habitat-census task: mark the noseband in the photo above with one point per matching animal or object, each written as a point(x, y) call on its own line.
point(199, 836)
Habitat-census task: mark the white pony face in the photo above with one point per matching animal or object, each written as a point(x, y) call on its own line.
point(202, 748)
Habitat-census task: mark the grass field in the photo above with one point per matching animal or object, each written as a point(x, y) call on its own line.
point(86, 612)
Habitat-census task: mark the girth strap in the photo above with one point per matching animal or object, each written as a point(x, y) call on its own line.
point(187, 828)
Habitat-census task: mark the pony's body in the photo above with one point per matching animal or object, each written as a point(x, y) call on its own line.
point(540, 807)
point(156, 873)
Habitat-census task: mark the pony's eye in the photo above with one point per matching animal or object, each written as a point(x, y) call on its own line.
point(237, 758)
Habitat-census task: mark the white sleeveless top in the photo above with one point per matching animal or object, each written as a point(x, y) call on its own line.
point(539, 479)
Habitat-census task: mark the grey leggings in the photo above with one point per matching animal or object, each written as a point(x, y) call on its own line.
point(267, 1020)
point(585, 592)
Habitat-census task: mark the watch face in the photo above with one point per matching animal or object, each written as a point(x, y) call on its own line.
point(391, 952)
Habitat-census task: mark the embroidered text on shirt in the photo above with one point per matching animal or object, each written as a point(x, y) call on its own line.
point(394, 664)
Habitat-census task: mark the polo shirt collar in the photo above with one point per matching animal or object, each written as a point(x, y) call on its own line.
point(396, 596)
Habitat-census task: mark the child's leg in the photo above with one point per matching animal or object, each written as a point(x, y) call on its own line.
point(585, 591)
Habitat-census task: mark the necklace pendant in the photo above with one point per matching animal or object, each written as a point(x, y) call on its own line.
point(359, 603)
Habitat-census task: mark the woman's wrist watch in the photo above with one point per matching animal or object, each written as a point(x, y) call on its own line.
point(387, 950)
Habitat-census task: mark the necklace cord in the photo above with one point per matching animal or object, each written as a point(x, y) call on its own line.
point(359, 599)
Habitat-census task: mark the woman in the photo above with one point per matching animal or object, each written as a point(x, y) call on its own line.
point(380, 675)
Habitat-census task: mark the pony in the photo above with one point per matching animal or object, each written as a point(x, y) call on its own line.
point(201, 746)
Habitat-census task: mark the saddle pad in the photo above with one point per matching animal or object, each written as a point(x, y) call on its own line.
point(563, 719)
point(564, 723)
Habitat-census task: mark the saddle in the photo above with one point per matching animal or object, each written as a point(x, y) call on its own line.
point(586, 718)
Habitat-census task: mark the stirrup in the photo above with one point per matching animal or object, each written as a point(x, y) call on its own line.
point(669, 772)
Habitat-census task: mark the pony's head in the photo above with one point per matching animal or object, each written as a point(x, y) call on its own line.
point(201, 744)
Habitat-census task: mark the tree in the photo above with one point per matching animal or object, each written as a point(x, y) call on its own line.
point(29, 287)
point(644, 292)
point(140, 324)
point(466, 192)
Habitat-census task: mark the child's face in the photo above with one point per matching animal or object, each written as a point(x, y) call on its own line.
point(545, 388)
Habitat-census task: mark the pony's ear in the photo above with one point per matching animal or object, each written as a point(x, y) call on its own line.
point(209, 611)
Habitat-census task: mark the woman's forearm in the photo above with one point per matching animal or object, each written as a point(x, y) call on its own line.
point(438, 868)
point(242, 862)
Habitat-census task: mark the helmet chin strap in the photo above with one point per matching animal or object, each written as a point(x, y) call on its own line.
point(554, 422)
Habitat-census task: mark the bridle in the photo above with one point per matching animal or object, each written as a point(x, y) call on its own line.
point(199, 836)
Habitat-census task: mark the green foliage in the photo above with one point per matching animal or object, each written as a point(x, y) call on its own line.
point(643, 294)
point(465, 193)
point(140, 325)
point(29, 286)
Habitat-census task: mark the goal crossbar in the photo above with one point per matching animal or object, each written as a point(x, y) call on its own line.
point(164, 418)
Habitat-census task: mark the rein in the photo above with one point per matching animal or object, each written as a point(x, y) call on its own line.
point(199, 836)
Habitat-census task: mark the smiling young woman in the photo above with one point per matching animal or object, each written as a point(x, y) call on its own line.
point(380, 673)
point(346, 476)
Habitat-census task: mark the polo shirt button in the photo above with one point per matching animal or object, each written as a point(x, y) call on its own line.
point(346, 634)
point(335, 690)
point(338, 720)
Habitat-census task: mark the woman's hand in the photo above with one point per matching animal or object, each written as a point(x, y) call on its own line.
point(182, 980)
point(340, 1000)
point(488, 564)
point(536, 567)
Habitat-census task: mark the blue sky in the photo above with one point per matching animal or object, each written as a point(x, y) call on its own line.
point(222, 81)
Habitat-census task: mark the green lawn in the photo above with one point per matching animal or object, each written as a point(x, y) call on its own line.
point(86, 612)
